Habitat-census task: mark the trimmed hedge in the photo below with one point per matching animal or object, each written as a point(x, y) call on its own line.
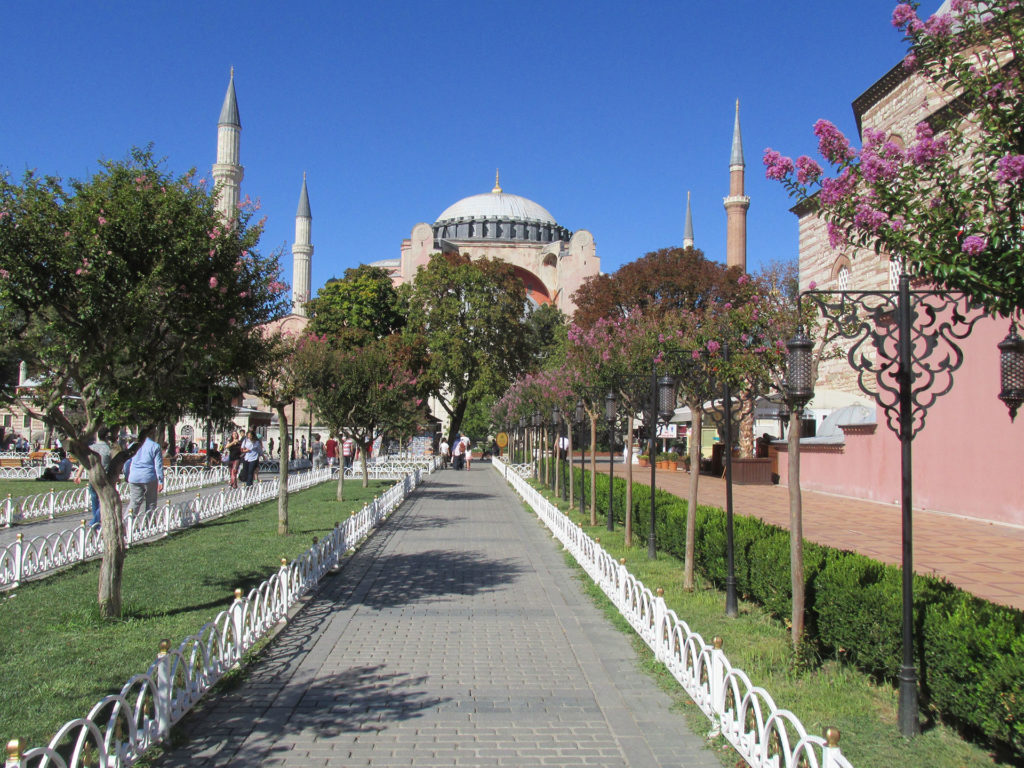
point(970, 652)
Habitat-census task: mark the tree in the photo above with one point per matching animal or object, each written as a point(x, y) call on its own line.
point(362, 392)
point(660, 281)
point(363, 305)
point(275, 381)
point(545, 335)
point(131, 301)
point(949, 200)
point(469, 316)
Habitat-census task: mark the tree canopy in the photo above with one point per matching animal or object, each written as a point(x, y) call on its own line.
point(469, 317)
point(361, 306)
point(131, 301)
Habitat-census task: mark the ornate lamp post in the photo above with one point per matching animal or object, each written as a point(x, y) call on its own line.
point(556, 431)
point(536, 434)
point(522, 438)
point(903, 347)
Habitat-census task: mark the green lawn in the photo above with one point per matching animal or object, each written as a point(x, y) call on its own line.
point(57, 658)
point(828, 694)
point(20, 488)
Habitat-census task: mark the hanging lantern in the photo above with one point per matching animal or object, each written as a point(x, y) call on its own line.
point(556, 416)
point(666, 397)
point(522, 422)
point(1011, 370)
point(610, 406)
point(581, 412)
point(798, 369)
point(536, 418)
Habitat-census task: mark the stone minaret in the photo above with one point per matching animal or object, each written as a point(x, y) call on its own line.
point(736, 203)
point(302, 253)
point(227, 171)
point(688, 227)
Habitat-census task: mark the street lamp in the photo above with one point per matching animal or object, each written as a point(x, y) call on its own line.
point(903, 347)
point(610, 407)
point(536, 430)
point(581, 415)
point(556, 431)
point(522, 437)
point(1011, 370)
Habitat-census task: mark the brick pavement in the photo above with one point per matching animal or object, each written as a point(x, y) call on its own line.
point(986, 559)
point(456, 636)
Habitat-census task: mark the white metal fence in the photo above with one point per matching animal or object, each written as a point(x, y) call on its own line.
point(746, 715)
point(121, 728)
point(43, 555)
point(53, 503)
point(391, 467)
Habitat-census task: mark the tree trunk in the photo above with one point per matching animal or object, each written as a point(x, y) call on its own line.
point(629, 483)
point(747, 401)
point(544, 456)
point(796, 528)
point(593, 470)
point(112, 531)
point(696, 425)
point(555, 463)
point(282, 474)
point(339, 493)
point(362, 461)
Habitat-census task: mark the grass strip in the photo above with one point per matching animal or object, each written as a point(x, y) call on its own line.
point(822, 694)
point(58, 658)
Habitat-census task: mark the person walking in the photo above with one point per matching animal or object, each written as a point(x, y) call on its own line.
point(458, 452)
point(270, 449)
point(252, 449)
point(446, 453)
point(316, 452)
point(348, 449)
point(145, 473)
point(100, 447)
point(467, 448)
point(331, 451)
point(234, 451)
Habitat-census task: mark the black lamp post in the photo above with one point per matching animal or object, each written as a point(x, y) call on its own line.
point(556, 432)
point(581, 415)
point(903, 347)
point(610, 406)
point(536, 451)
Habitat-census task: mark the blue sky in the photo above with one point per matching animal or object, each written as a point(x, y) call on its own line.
point(604, 113)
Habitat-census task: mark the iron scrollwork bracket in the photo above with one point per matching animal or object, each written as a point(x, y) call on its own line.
point(869, 319)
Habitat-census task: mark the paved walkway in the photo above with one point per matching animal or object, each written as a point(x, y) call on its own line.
point(456, 636)
point(986, 559)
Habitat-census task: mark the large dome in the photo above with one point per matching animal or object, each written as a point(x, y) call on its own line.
point(496, 215)
point(496, 205)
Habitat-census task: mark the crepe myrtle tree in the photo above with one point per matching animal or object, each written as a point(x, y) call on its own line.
point(949, 199)
point(131, 300)
point(362, 392)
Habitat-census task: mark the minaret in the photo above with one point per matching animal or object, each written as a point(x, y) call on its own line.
point(736, 203)
point(688, 227)
point(227, 171)
point(302, 253)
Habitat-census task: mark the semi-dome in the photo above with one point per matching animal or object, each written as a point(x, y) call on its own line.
point(498, 215)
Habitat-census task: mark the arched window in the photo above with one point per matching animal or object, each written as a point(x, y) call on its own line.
point(841, 273)
point(895, 270)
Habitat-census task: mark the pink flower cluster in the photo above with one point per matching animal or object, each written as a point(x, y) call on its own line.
point(777, 166)
point(974, 244)
point(1010, 168)
point(832, 144)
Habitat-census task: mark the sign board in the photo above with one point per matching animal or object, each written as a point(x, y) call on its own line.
point(501, 439)
point(668, 431)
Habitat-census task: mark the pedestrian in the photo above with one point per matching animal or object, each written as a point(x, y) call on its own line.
point(302, 448)
point(270, 449)
point(145, 473)
point(458, 452)
point(446, 453)
point(59, 472)
point(331, 451)
point(234, 452)
point(348, 449)
point(316, 452)
point(467, 450)
point(101, 448)
point(252, 449)
point(563, 447)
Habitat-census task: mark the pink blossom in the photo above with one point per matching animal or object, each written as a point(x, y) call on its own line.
point(243, 295)
point(695, 355)
point(807, 170)
point(974, 244)
point(835, 235)
point(713, 346)
point(897, 224)
point(231, 321)
point(832, 144)
point(1011, 168)
point(812, 285)
point(939, 25)
point(869, 218)
point(903, 13)
point(101, 220)
point(727, 305)
point(743, 279)
point(4, 274)
point(777, 166)
point(213, 281)
point(834, 190)
point(910, 62)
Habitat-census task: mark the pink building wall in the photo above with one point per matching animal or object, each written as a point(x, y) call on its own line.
point(966, 460)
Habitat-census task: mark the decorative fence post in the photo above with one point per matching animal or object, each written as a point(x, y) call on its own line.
point(830, 752)
point(19, 559)
point(660, 650)
point(129, 528)
point(237, 627)
point(282, 586)
point(52, 502)
point(14, 750)
point(164, 691)
point(83, 532)
point(716, 678)
point(8, 513)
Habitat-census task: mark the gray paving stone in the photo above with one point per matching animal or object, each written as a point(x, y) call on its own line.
point(455, 636)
